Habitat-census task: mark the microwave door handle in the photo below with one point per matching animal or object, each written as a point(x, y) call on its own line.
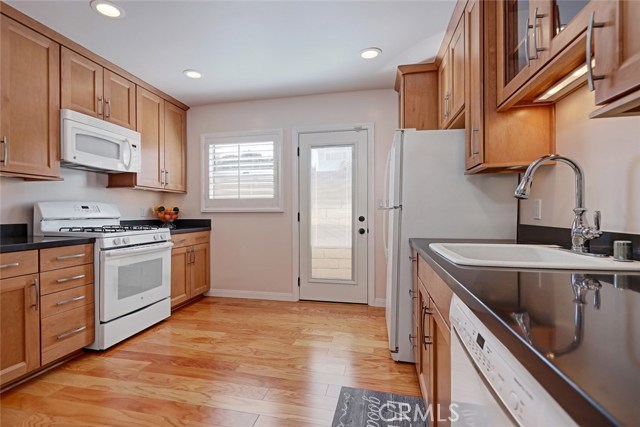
point(130, 148)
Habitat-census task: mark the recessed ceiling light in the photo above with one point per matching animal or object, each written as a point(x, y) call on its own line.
point(370, 52)
point(107, 9)
point(192, 74)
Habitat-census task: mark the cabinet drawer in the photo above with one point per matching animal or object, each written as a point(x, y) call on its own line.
point(14, 264)
point(69, 299)
point(66, 332)
point(66, 278)
point(190, 239)
point(67, 256)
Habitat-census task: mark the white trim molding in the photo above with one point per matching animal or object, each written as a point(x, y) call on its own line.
point(232, 293)
point(380, 302)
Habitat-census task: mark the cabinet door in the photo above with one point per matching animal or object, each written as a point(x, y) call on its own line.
point(81, 84)
point(442, 368)
point(617, 49)
point(179, 275)
point(19, 327)
point(443, 91)
point(175, 142)
point(474, 94)
point(150, 124)
point(29, 102)
point(415, 312)
point(119, 100)
point(199, 269)
point(456, 63)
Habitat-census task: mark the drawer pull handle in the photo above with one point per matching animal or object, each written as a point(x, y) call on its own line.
point(63, 257)
point(13, 264)
point(68, 279)
point(71, 332)
point(181, 241)
point(67, 301)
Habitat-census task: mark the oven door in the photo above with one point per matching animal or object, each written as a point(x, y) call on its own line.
point(133, 278)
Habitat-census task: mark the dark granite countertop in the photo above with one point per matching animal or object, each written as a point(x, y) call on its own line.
point(182, 225)
point(25, 243)
point(596, 377)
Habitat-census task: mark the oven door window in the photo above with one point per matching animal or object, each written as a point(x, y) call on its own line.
point(130, 281)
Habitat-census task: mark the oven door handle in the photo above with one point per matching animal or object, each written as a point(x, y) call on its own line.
point(138, 250)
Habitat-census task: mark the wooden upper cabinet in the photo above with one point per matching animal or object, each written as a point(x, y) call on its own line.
point(452, 81)
point(120, 100)
point(541, 42)
point(82, 88)
point(91, 89)
point(175, 147)
point(497, 141)
point(617, 51)
point(457, 58)
point(417, 86)
point(150, 124)
point(19, 327)
point(474, 94)
point(163, 127)
point(29, 103)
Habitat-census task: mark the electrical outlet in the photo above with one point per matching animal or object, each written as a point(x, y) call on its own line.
point(143, 212)
point(537, 209)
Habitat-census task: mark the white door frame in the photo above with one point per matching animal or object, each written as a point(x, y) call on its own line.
point(295, 134)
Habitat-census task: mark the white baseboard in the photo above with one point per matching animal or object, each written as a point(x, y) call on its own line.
point(230, 293)
point(380, 302)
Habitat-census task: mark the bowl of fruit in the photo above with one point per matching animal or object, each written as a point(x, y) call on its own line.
point(167, 215)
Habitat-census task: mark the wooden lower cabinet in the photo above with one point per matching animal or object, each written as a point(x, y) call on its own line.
point(433, 361)
point(189, 267)
point(19, 327)
point(46, 312)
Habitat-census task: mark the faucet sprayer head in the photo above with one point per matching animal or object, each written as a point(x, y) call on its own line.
point(522, 192)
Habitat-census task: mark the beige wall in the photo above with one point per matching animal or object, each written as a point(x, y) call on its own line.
point(18, 196)
point(252, 253)
point(608, 151)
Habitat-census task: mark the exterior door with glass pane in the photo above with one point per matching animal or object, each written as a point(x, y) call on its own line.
point(333, 216)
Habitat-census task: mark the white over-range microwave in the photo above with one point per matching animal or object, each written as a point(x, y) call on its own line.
point(92, 144)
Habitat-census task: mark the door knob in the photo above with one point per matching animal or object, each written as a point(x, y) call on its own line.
point(361, 231)
point(361, 218)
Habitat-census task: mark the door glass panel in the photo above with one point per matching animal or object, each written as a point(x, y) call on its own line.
point(564, 11)
point(138, 278)
point(98, 146)
point(331, 212)
point(516, 33)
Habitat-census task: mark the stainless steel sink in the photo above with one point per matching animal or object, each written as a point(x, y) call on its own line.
point(526, 256)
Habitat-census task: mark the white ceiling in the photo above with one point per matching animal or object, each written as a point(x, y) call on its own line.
point(254, 49)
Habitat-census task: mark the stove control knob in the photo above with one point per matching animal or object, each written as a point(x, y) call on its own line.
point(157, 236)
point(116, 241)
point(126, 240)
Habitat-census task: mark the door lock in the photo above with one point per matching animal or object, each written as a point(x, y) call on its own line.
point(361, 230)
point(361, 218)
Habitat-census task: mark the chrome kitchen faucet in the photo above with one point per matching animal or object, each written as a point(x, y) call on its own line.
point(581, 232)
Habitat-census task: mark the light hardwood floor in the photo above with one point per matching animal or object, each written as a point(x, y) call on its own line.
point(221, 362)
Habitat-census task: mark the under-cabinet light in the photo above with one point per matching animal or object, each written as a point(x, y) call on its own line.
point(567, 84)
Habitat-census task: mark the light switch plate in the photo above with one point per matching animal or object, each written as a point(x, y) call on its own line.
point(537, 209)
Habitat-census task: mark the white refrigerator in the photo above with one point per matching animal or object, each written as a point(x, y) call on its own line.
point(428, 195)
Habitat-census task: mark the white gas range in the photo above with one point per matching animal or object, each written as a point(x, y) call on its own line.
point(132, 265)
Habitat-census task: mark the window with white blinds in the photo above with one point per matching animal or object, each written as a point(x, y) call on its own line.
point(241, 171)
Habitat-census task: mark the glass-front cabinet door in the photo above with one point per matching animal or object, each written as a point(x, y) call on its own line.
point(531, 33)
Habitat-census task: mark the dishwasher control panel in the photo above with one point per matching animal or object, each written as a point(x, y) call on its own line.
point(527, 403)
